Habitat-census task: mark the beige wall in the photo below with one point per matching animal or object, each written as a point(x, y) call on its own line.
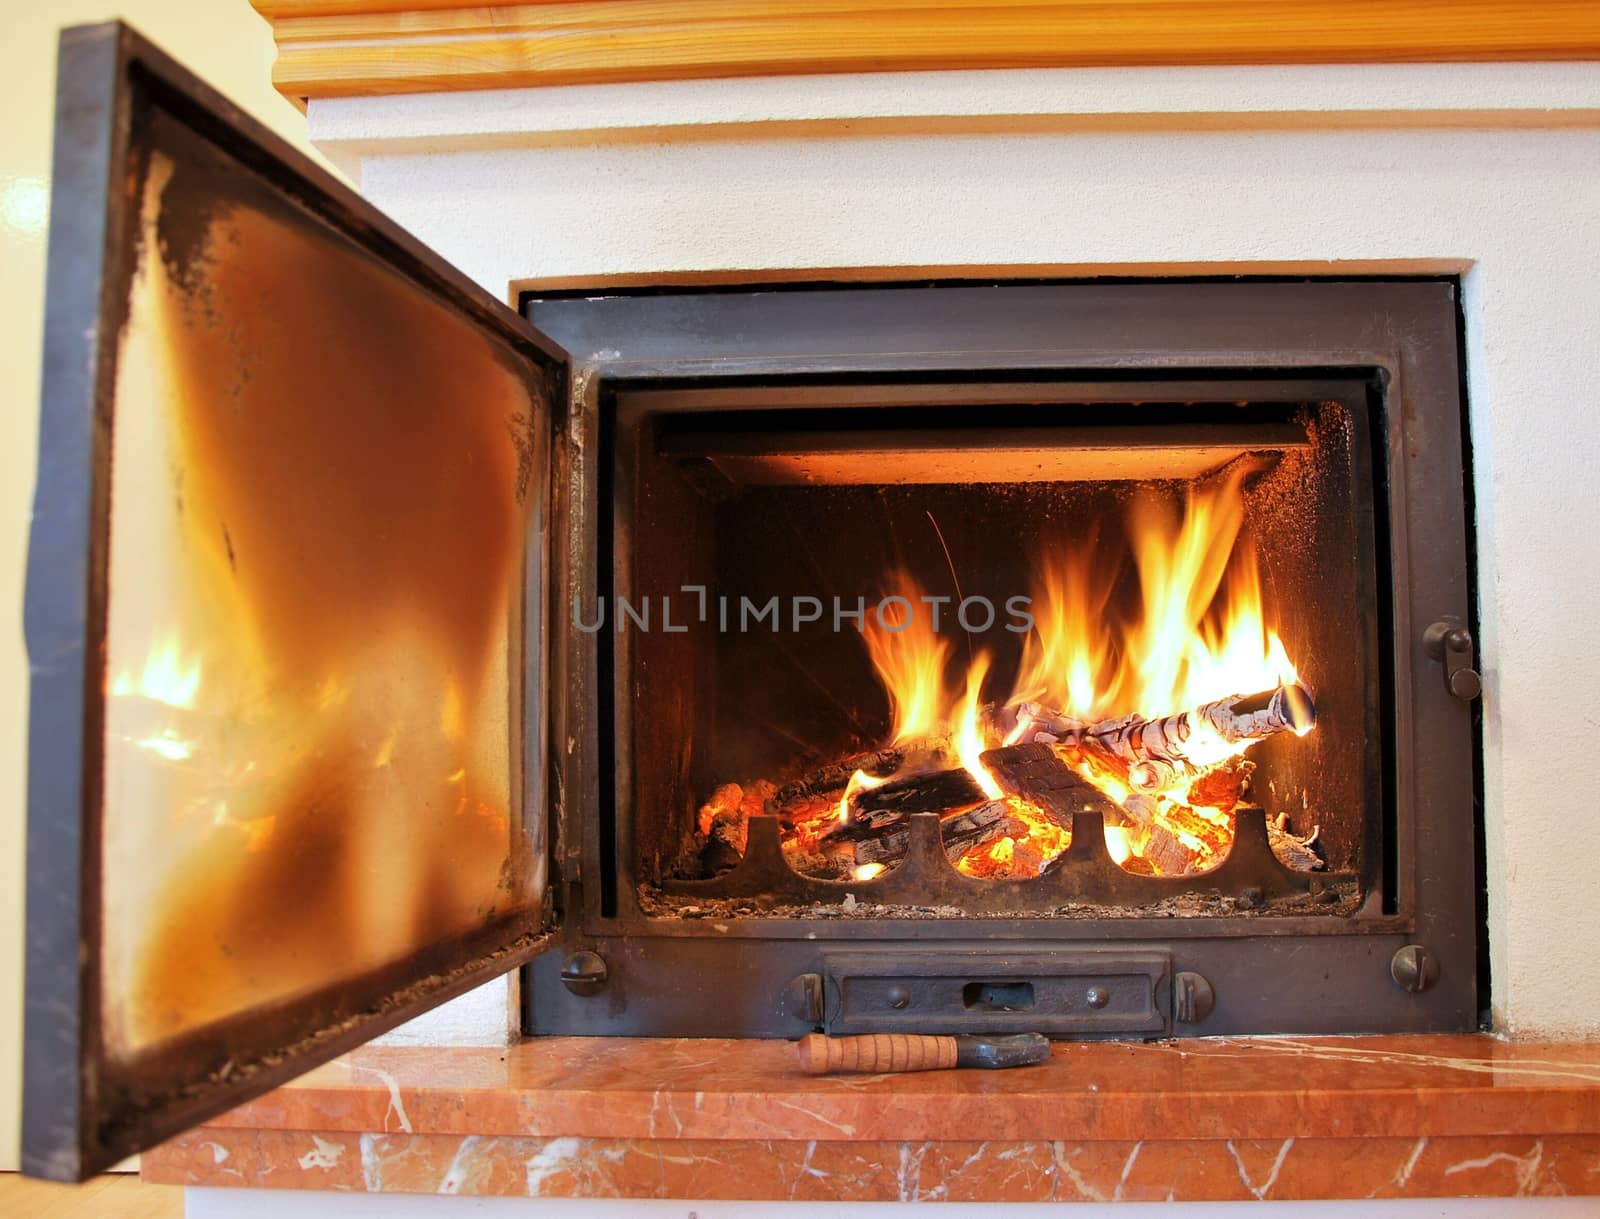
point(229, 45)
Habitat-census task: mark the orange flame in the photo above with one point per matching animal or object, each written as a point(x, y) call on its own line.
point(910, 658)
point(967, 730)
point(1197, 633)
point(860, 781)
point(1201, 632)
point(1065, 658)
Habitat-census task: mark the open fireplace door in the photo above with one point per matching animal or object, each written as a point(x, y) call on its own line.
point(287, 596)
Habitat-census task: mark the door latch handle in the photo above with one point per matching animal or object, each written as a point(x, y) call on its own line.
point(1450, 642)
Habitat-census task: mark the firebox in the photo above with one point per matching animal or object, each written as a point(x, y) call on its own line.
point(1087, 658)
point(1027, 577)
point(1018, 656)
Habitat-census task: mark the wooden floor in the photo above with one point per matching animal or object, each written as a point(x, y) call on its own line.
point(116, 1196)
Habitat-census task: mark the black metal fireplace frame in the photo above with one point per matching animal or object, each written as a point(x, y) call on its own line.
point(1384, 348)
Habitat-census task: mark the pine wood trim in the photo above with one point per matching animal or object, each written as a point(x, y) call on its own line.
point(341, 48)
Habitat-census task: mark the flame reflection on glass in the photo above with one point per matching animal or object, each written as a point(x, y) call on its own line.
point(318, 515)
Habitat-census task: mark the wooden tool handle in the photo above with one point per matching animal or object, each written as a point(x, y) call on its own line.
point(875, 1053)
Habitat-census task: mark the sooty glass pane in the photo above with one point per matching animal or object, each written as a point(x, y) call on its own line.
point(319, 497)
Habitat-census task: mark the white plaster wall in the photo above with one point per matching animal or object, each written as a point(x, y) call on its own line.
point(484, 1016)
point(1493, 171)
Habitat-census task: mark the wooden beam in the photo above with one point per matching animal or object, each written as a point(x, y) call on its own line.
point(342, 48)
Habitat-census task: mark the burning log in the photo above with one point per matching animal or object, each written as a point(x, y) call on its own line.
point(1165, 854)
point(724, 822)
point(1039, 775)
point(1158, 849)
point(823, 865)
point(835, 776)
point(1223, 787)
point(939, 791)
point(1158, 755)
point(730, 807)
point(959, 834)
point(864, 825)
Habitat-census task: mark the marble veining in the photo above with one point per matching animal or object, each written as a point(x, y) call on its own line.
point(1265, 1188)
point(396, 1105)
point(1147, 1170)
point(1266, 1088)
point(1503, 1068)
point(1229, 1119)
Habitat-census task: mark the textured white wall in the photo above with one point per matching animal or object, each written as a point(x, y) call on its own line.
point(1493, 171)
point(485, 1016)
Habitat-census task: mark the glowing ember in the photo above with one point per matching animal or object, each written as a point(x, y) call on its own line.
point(1022, 854)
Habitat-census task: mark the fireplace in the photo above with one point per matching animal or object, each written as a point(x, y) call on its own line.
point(385, 642)
point(1018, 656)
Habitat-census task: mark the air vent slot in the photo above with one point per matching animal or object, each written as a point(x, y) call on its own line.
point(997, 996)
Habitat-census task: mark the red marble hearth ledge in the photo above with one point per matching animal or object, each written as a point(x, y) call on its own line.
point(1291, 1118)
